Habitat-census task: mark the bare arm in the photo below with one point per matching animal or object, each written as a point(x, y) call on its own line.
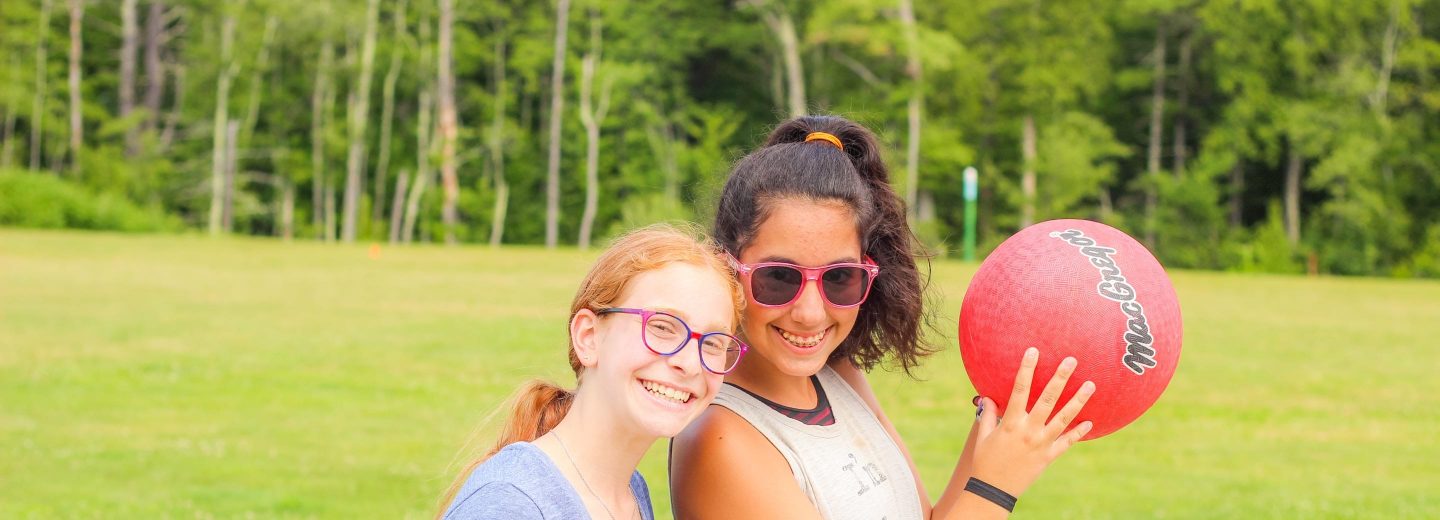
point(1009, 457)
point(722, 467)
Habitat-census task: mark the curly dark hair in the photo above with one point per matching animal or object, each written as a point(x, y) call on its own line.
point(891, 320)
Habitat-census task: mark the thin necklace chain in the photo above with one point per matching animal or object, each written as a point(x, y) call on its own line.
point(586, 482)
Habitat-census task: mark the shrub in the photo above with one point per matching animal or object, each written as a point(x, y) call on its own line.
point(39, 200)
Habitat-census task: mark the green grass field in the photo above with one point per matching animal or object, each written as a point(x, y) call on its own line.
point(178, 376)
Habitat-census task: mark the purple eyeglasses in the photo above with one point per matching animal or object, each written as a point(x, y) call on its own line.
point(666, 334)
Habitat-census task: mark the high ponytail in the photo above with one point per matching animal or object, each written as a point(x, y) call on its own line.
point(890, 322)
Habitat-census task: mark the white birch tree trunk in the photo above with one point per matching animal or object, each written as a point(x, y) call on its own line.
point(387, 115)
point(916, 106)
point(359, 118)
point(129, 45)
point(287, 209)
point(397, 206)
point(449, 126)
point(221, 121)
point(497, 145)
point(422, 169)
point(557, 109)
point(778, 20)
point(257, 80)
point(232, 165)
point(77, 129)
point(423, 130)
point(591, 117)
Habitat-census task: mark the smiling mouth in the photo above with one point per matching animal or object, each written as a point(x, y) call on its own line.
point(667, 392)
point(802, 341)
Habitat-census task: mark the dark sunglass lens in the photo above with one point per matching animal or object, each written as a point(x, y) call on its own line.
point(845, 285)
point(775, 285)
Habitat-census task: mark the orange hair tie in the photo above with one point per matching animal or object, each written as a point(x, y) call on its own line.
point(822, 136)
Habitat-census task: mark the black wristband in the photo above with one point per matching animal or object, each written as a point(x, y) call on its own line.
point(991, 493)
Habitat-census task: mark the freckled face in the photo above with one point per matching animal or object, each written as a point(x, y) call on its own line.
point(798, 339)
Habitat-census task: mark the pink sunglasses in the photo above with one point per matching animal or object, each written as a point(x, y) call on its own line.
point(778, 284)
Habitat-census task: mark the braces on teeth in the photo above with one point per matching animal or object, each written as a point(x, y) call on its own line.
point(804, 342)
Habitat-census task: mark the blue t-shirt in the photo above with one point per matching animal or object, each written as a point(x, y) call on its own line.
point(521, 482)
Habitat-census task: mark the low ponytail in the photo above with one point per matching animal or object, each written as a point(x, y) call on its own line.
point(537, 407)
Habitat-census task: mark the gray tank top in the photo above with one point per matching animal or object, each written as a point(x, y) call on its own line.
point(851, 469)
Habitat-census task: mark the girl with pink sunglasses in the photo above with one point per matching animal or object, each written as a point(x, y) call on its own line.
point(821, 245)
point(650, 339)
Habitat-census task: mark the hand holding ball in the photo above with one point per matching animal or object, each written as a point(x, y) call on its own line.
point(1074, 288)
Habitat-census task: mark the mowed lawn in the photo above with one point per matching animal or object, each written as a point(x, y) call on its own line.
point(180, 376)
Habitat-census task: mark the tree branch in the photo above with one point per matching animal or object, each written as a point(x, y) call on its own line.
point(858, 68)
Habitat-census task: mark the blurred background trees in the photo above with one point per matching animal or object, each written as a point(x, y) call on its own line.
point(1227, 134)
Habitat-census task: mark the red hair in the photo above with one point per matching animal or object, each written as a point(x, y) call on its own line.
point(540, 405)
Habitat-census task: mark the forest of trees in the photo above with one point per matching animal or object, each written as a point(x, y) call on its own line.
point(1266, 135)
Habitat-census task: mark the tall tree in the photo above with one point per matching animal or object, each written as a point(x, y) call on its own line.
point(7, 132)
point(496, 140)
point(359, 114)
point(1027, 174)
point(387, 112)
point(592, 116)
point(232, 165)
point(557, 108)
point(423, 134)
point(130, 44)
point(42, 74)
point(915, 106)
point(155, 38)
point(77, 129)
point(777, 19)
point(257, 80)
point(449, 126)
point(1294, 163)
point(228, 67)
point(1180, 151)
point(319, 95)
point(1157, 120)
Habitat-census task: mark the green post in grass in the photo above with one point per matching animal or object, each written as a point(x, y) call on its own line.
point(972, 192)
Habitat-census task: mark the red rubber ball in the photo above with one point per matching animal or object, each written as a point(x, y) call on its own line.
point(1074, 288)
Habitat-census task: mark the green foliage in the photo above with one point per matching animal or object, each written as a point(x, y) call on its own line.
point(40, 200)
point(1425, 262)
point(1348, 88)
point(648, 210)
point(1075, 155)
point(1266, 249)
point(1191, 223)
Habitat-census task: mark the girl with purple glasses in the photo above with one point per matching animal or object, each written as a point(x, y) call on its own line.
point(650, 340)
point(820, 243)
